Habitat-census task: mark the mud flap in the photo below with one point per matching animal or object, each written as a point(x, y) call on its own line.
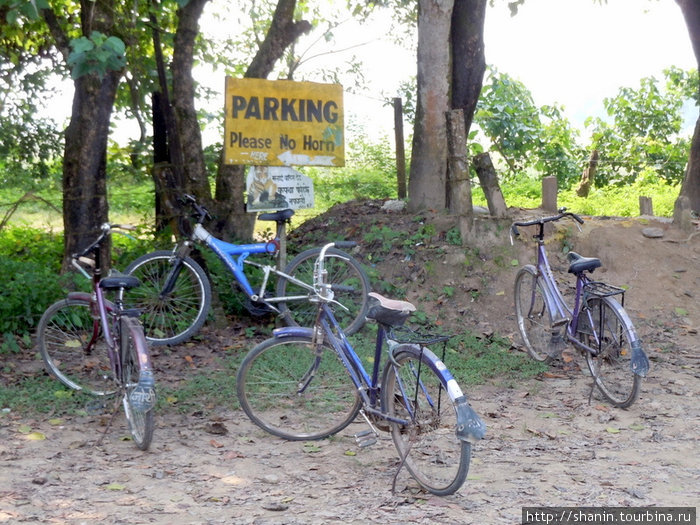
point(639, 362)
point(470, 427)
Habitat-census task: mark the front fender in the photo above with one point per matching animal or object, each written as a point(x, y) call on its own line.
point(470, 426)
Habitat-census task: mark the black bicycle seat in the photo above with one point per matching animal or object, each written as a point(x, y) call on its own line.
point(580, 264)
point(281, 215)
point(388, 312)
point(114, 282)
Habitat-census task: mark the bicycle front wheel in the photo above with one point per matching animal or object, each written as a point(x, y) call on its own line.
point(601, 327)
point(428, 444)
point(533, 315)
point(348, 281)
point(141, 422)
point(296, 390)
point(170, 317)
point(72, 345)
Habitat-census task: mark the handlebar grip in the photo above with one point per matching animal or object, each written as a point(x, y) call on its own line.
point(345, 245)
point(514, 230)
point(577, 218)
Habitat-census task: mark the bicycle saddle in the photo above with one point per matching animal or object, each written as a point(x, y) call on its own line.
point(580, 264)
point(389, 312)
point(281, 215)
point(116, 281)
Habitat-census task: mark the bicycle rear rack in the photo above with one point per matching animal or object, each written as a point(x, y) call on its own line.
point(404, 334)
point(600, 289)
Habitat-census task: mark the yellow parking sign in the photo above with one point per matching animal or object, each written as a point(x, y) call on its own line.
point(283, 123)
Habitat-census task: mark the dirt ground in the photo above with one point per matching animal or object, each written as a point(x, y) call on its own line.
point(546, 444)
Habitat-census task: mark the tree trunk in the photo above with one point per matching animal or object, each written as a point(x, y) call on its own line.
point(428, 172)
point(194, 168)
point(85, 205)
point(468, 59)
point(690, 189)
point(233, 220)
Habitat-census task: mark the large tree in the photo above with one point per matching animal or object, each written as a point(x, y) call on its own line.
point(451, 65)
point(690, 189)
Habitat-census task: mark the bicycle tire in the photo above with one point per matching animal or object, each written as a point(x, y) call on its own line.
point(72, 345)
point(532, 314)
point(436, 458)
point(349, 282)
point(176, 318)
point(268, 383)
point(610, 369)
point(141, 423)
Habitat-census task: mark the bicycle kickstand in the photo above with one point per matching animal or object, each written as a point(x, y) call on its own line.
point(366, 438)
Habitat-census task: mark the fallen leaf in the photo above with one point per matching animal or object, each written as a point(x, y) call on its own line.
point(36, 436)
point(216, 444)
point(115, 486)
point(612, 430)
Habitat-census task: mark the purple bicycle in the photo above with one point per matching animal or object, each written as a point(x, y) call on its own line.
point(94, 345)
point(597, 325)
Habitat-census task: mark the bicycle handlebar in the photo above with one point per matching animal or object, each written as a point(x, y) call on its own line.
point(542, 220)
point(322, 288)
point(105, 230)
point(201, 212)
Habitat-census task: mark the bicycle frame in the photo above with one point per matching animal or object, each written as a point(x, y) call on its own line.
point(570, 316)
point(104, 310)
point(234, 257)
point(470, 428)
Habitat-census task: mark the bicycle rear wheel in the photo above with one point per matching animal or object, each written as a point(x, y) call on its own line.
point(296, 391)
point(601, 327)
point(72, 345)
point(141, 422)
point(174, 317)
point(533, 316)
point(414, 391)
point(349, 283)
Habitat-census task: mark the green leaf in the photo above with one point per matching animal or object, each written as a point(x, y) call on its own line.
point(612, 430)
point(681, 312)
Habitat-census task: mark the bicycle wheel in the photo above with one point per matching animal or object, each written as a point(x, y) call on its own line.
point(601, 327)
point(141, 422)
point(349, 283)
point(71, 343)
point(174, 317)
point(434, 455)
point(295, 391)
point(533, 316)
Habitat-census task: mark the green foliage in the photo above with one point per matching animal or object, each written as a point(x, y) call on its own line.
point(28, 289)
point(475, 360)
point(43, 395)
point(644, 135)
point(98, 54)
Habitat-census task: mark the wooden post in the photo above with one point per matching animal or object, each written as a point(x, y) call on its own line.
point(549, 193)
point(489, 183)
point(400, 153)
point(588, 175)
point(459, 192)
point(645, 206)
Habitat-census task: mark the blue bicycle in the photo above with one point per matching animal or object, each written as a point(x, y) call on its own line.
point(309, 383)
point(175, 295)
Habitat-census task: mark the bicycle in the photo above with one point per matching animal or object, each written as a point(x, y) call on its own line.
point(308, 383)
point(176, 294)
point(597, 325)
point(94, 345)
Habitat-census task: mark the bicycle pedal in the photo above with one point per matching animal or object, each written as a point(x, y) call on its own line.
point(366, 438)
